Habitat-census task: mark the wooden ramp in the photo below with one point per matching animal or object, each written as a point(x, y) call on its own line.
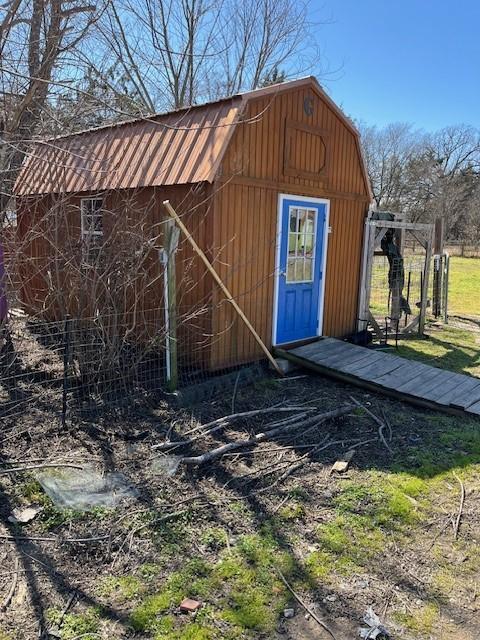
point(387, 373)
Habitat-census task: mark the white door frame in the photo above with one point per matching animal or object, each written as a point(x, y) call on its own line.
point(326, 230)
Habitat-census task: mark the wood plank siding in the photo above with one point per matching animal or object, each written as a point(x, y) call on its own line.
point(252, 176)
point(223, 167)
point(48, 276)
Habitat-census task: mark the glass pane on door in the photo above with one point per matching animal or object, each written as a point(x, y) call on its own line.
point(301, 244)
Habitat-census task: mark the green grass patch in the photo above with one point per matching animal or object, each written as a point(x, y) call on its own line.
point(242, 587)
point(387, 500)
point(148, 571)
point(447, 443)
point(463, 297)
point(85, 625)
point(123, 587)
point(291, 511)
point(447, 348)
point(192, 580)
point(214, 537)
point(421, 621)
point(352, 541)
point(365, 514)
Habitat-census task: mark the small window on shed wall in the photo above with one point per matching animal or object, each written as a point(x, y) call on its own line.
point(91, 210)
point(305, 151)
point(9, 218)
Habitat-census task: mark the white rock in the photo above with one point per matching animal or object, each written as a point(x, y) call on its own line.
point(23, 516)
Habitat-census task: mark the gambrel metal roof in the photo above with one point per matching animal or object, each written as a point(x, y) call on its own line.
point(180, 147)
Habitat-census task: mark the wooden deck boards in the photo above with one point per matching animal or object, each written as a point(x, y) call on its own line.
point(388, 373)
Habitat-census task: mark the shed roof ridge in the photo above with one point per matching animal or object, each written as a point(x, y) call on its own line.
point(249, 94)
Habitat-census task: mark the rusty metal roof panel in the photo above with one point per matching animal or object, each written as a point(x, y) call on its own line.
point(181, 147)
point(177, 148)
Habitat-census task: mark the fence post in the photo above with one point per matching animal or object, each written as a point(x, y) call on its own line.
point(172, 235)
point(66, 363)
point(446, 277)
point(437, 285)
point(439, 236)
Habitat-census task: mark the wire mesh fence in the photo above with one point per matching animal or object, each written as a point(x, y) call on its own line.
point(73, 367)
point(88, 330)
point(396, 290)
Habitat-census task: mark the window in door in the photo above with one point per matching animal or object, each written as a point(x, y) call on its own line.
point(301, 244)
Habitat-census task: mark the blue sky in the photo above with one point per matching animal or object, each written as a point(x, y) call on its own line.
point(412, 61)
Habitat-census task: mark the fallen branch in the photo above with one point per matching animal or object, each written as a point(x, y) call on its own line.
point(218, 452)
point(308, 609)
point(300, 462)
point(47, 465)
point(12, 538)
point(216, 428)
point(248, 414)
point(13, 586)
point(387, 422)
point(381, 424)
point(456, 525)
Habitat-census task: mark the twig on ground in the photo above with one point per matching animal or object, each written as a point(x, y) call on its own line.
point(12, 538)
point(387, 422)
point(66, 609)
point(456, 525)
point(247, 414)
point(381, 424)
point(13, 586)
point(47, 465)
point(439, 532)
point(168, 516)
point(17, 433)
point(308, 609)
point(130, 534)
point(279, 505)
point(218, 426)
point(235, 389)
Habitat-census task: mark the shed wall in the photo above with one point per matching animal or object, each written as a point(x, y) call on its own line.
point(54, 283)
point(258, 146)
point(293, 143)
point(256, 169)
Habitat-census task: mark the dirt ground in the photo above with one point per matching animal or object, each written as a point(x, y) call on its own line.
point(398, 531)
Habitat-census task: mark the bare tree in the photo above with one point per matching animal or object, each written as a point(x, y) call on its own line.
point(178, 52)
point(36, 39)
point(388, 152)
point(427, 175)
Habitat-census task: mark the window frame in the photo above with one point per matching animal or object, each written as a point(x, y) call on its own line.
point(88, 233)
point(297, 235)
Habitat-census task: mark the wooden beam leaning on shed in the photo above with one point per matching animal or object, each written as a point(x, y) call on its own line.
point(218, 280)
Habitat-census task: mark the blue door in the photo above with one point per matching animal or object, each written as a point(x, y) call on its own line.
point(300, 266)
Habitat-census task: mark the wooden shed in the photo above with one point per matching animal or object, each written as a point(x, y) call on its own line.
point(272, 185)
